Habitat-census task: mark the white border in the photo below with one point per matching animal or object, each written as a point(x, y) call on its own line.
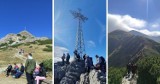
point(107, 39)
point(52, 41)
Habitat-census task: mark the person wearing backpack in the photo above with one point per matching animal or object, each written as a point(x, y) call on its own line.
point(87, 64)
point(29, 68)
point(9, 68)
point(67, 58)
point(97, 67)
point(103, 64)
point(91, 63)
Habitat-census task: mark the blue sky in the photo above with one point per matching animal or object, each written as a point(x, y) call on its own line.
point(144, 14)
point(35, 15)
point(94, 29)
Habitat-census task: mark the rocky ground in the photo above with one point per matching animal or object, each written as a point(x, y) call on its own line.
point(74, 73)
point(130, 80)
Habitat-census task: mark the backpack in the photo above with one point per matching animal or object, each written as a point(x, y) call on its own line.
point(103, 60)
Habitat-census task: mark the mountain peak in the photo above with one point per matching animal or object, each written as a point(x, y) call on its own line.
point(26, 33)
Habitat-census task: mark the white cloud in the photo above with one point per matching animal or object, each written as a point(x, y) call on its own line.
point(133, 22)
point(124, 22)
point(91, 44)
point(128, 23)
point(150, 33)
point(155, 25)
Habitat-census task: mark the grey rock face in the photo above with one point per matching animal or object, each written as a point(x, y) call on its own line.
point(74, 73)
point(94, 77)
point(68, 74)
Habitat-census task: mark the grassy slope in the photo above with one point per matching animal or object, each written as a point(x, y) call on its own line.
point(7, 56)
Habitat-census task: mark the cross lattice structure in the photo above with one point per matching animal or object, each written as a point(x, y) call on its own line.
point(80, 46)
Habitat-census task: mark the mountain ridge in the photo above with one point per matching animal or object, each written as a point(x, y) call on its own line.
point(21, 37)
point(125, 47)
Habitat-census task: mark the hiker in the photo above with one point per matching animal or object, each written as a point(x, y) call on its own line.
point(91, 63)
point(19, 72)
point(75, 52)
point(98, 62)
point(63, 57)
point(9, 68)
point(15, 69)
point(128, 69)
point(67, 58)
point(134, 69)
point(36, 71)
point(29, 68)
point(77, 56)
point(84, 57)
point(87, 63)
point(103, 64)
point(42, 74)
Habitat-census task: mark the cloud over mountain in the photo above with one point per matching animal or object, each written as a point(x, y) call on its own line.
point(128, 23)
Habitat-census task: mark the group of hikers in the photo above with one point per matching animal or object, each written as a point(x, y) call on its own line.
point(21, 52)
point(34, 73)
point(100, 65)
point(16, 72)
point(67, 57)
point(131, 68)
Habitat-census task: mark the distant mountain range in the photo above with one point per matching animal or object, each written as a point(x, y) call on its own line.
point(22, 37)
point(125, 47)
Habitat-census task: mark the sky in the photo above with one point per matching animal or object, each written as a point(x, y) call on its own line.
point(139, 15)
point(94, 29)
point(35, 15)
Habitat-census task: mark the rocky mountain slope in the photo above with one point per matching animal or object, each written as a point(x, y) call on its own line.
point(22, 37)
point(125, 47)
point(74, 73)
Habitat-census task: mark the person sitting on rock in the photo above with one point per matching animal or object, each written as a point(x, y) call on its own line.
point(87, 63)
point(15, 69)
point(63, 57)
point(19, 72)
point(9, 68)
point(67, 58)
point(42, 74)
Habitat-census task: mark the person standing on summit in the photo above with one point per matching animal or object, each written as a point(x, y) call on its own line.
point(67, 58)
point(29, 68)
point(63, 57)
